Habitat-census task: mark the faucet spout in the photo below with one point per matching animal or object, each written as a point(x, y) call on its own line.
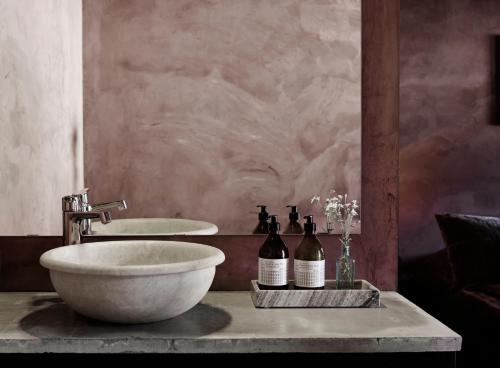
point(121, 205)
point(104, 216)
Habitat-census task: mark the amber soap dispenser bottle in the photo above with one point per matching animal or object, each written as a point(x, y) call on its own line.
point(273, 260)
point(309, 262)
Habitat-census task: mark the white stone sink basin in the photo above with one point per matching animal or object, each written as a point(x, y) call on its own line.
point(132, 281)
point(154, 226)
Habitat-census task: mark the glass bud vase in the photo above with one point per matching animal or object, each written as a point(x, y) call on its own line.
point(345, 267)
point(329, 227)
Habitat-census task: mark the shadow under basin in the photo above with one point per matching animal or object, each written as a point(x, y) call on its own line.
point(56, 319)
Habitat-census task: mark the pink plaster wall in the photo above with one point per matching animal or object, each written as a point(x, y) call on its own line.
point(375, 250)
point(204, 109)
point(450, 153)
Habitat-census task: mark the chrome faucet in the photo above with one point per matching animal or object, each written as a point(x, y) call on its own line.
point(74, 215)
point(86, 224)
point(78, 213)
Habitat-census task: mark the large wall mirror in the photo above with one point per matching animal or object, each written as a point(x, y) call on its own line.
point(188, 109)
point(206, 109)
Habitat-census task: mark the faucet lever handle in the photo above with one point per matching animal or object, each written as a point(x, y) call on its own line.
point(83, 196)
point(71, 203)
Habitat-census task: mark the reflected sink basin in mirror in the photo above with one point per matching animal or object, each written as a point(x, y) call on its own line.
point(132, 281)
point(154, 226)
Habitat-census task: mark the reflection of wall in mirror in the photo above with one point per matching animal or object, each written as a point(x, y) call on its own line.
point(205, 109)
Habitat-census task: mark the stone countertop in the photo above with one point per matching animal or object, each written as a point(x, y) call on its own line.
point(224, 322)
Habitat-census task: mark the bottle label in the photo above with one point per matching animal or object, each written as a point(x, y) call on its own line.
point(310, 274)
point(273, 272)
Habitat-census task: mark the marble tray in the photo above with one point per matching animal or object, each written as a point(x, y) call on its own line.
point(364, 295)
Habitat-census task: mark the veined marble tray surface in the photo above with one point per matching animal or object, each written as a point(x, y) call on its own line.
point(364, 295)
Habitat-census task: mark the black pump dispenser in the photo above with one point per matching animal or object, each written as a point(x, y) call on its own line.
point(274, 225)
point(310, 225)
point(293, 215)
point(294, 226)
point(263, 214)
point(263, 225)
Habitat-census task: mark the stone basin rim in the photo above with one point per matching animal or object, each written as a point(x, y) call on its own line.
point(189, 227)
point(210, 257)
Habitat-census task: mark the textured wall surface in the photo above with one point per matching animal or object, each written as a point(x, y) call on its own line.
point(41, 123)
point(450, 154)
point(375, 250)
point(205, 109)
point(380, 137)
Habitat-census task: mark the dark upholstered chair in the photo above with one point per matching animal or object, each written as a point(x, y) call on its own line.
point(460, 285)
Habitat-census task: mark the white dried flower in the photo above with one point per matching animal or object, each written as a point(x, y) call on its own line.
point(337, 209)
point(315, 199)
